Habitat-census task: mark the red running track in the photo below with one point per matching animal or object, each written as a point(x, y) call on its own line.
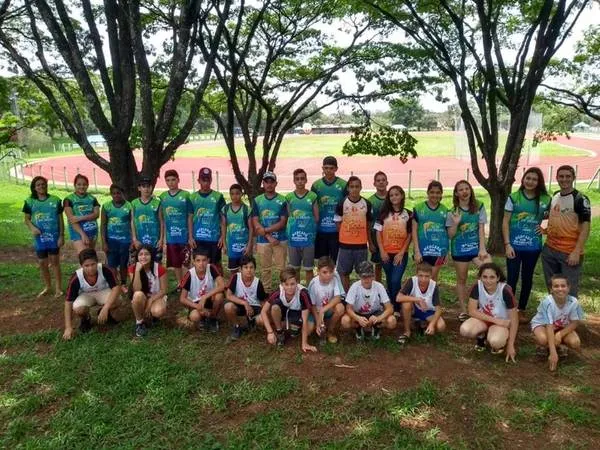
point(422, 169)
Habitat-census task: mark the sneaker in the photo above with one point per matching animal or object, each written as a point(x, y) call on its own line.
point(563, 351)
point(85, 325)
point(140, 330)
point(213, 325)
point(111, 320)
point(294, 330)
point(480, 345)
point(375, 333)
point(541, 352)
point(360, 335)
point(280, 338)
point(202, 324)
point(236, 332)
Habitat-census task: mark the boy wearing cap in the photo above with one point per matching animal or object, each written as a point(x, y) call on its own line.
point(147, 225)
point(269, 216)
point(303, 215)
point(176, 207)
point(204, 221)
point(368, 306)
point(330, 191)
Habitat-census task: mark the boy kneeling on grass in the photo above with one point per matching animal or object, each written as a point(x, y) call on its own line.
point(368, 306)
point(554, 325)
point(287, 310)
point(326, 292)
point(245, 297)
point(92, 284)
point(420, 300)
point(202, 291)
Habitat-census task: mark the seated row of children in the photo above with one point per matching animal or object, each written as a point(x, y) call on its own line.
point(323, 307)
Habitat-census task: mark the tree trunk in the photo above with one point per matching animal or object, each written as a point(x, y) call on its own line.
point(123, 169)
point(498, 196)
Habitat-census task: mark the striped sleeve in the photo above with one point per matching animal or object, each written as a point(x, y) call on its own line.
point(72, 288)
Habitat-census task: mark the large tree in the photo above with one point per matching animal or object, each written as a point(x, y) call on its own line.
point(494, 54)
point(103, 53)
point(277, 60)
point(576, 81)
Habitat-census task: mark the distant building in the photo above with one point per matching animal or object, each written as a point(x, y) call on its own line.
point(344, 128)
point(96, 140)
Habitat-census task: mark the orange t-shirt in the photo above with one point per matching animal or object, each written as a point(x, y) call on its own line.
point(395, 230)
point(355, 218)
point(566, 213)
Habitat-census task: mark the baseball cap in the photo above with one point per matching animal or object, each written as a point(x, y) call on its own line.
point(366, 269)
point(330, 161)
point(269, 174)
point(205, 174)
point(145, 180)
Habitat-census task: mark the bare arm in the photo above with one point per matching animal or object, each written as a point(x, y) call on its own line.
point(415, 239)
point(279, 225)
point(34, 230)
point(103, 229)
point(258, 228)
point(474, 312)
point(68, 334)
point(73, 220)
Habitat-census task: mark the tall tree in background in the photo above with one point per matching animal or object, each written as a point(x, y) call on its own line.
point(103, 54)
point(275, 62)
point(494, 53)
point(577, 81)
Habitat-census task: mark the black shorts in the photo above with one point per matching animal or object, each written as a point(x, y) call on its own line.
point(43, 254)
point(289, 316)
point(241, 310)
point(327, 244)
point(464, 258)
point(233, 263)
point(214, 252)
point(435, 261)
point(208, 304)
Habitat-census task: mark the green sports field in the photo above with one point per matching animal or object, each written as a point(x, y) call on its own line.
point(430, 144)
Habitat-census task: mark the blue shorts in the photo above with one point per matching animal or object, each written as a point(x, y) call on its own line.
point(419, 314)
point(328, 315)
point(118, 254)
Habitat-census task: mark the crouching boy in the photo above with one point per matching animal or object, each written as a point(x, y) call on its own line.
point(287, 310)
point(202, 292)
point(420, 300)
point(368, 306)
point(554, 325)
point(245, 297)
point(92, 284)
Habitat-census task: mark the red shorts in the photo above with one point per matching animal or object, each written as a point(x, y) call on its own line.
point(178, 255)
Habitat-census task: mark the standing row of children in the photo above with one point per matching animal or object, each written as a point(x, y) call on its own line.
point(331, 222)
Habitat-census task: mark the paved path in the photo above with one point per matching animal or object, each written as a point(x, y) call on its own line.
point(420, 170)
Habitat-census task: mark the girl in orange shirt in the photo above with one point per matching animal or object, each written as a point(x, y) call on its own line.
point(393, 227)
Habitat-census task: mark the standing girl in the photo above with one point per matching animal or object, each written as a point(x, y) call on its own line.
point(429, 232)
point(493, 313)
point(43, 217)
point(82, 210)
point(523, 213)
point(148, 288)
point(393, 237)
point(466, 229)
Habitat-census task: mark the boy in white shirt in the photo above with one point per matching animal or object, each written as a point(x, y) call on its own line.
point(368, 306)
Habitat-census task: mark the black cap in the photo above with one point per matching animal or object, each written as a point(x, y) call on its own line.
point(365, 269)
point(145, 180)
point(205, 174)
point(330, 161)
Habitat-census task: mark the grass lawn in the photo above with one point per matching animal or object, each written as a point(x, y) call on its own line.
point(182, 389)
point(430, 144)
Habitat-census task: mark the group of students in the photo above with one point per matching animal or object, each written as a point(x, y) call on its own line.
point(335, 225)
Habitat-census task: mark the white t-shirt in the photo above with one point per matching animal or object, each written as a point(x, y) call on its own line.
point(367, 301)
point(495, 304)
point(549, 312)
point(321, 294)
